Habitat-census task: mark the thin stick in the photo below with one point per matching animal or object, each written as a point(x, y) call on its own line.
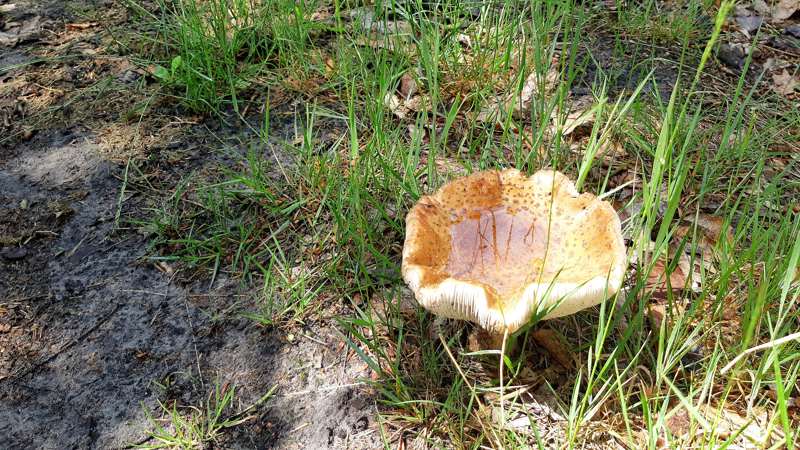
point(502, 356)
point(471, 388)
point(121, 196)
point(615, 190)
point(769, 344)
point(66, 347)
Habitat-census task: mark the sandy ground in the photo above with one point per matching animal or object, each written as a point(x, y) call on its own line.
point(92, 328)
point(91, 333)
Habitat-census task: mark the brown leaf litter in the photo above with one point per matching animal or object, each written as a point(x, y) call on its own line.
point(660, 281)
point(704, 233)
point(535, 85)
point(785, 9)
point(406, 99)
point(556, 345)
point(784, 83)
point(392, 35)
point(524, 408)
point(15, 32)
point(701, 233)
point(754, 429)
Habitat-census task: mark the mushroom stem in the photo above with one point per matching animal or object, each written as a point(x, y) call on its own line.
point(491, 340)
point(494, 341)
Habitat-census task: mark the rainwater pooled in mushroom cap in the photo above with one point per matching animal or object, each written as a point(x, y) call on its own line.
point(495, 247)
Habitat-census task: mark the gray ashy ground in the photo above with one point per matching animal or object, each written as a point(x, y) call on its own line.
point(87, 328)
point(91, 333)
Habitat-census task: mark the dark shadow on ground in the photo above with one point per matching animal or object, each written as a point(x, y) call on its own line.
point(96, 334)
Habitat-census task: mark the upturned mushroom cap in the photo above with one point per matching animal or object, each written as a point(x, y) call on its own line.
point(497, 247)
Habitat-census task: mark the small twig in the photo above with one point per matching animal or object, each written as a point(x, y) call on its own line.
point(140, 291)
point(121, 196)
point(502, 363)
point(322, 389)
point(300, 427)
point(471, 388)
point(615, 190)
point(75, 249)
point(766, 345)
point(241, 414)
point(313, 339)
point(66, 347)
point(22, 299)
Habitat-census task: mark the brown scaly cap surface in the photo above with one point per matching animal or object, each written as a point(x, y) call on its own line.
point(497, 247)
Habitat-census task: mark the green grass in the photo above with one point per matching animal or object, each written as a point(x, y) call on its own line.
point(232, 223)
point(345, 198)
point(209, 52)
point(659, 23)
point(192, 427)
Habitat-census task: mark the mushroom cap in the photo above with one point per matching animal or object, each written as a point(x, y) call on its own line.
point(497, 247)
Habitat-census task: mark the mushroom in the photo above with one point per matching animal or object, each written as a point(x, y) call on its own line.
point(499, 249)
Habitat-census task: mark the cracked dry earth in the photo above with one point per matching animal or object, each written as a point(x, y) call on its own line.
point(92, 334)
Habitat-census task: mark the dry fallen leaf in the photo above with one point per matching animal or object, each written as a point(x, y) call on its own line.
point(754, 431)
point(368, 20)
point(395, 105)
point(679, 423)
point(784, 83)
point(408, 86)
point(656, 314)
point(710, 231)
point(330, 67)
point(659, 284)
point(14, 34)
point(523, 407)
point(660, 313)
point(464, 39)
point(520, 103)
point(534, 85)
point(713, 227)
point(610, 150)
point(418, 103)
point(761, 7)
point(164, 267)
point(785, 9)
point(81, 26)
point(392, 43)
point(320, 16)
point(401, 107)
point(556, 345)
point(576, 119)
point(749, 23)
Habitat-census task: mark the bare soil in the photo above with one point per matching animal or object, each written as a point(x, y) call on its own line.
point(92, 334)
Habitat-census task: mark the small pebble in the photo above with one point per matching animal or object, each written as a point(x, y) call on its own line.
point(749, 23)
point(13, 253)
point(731, 56)
point(794, 30)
